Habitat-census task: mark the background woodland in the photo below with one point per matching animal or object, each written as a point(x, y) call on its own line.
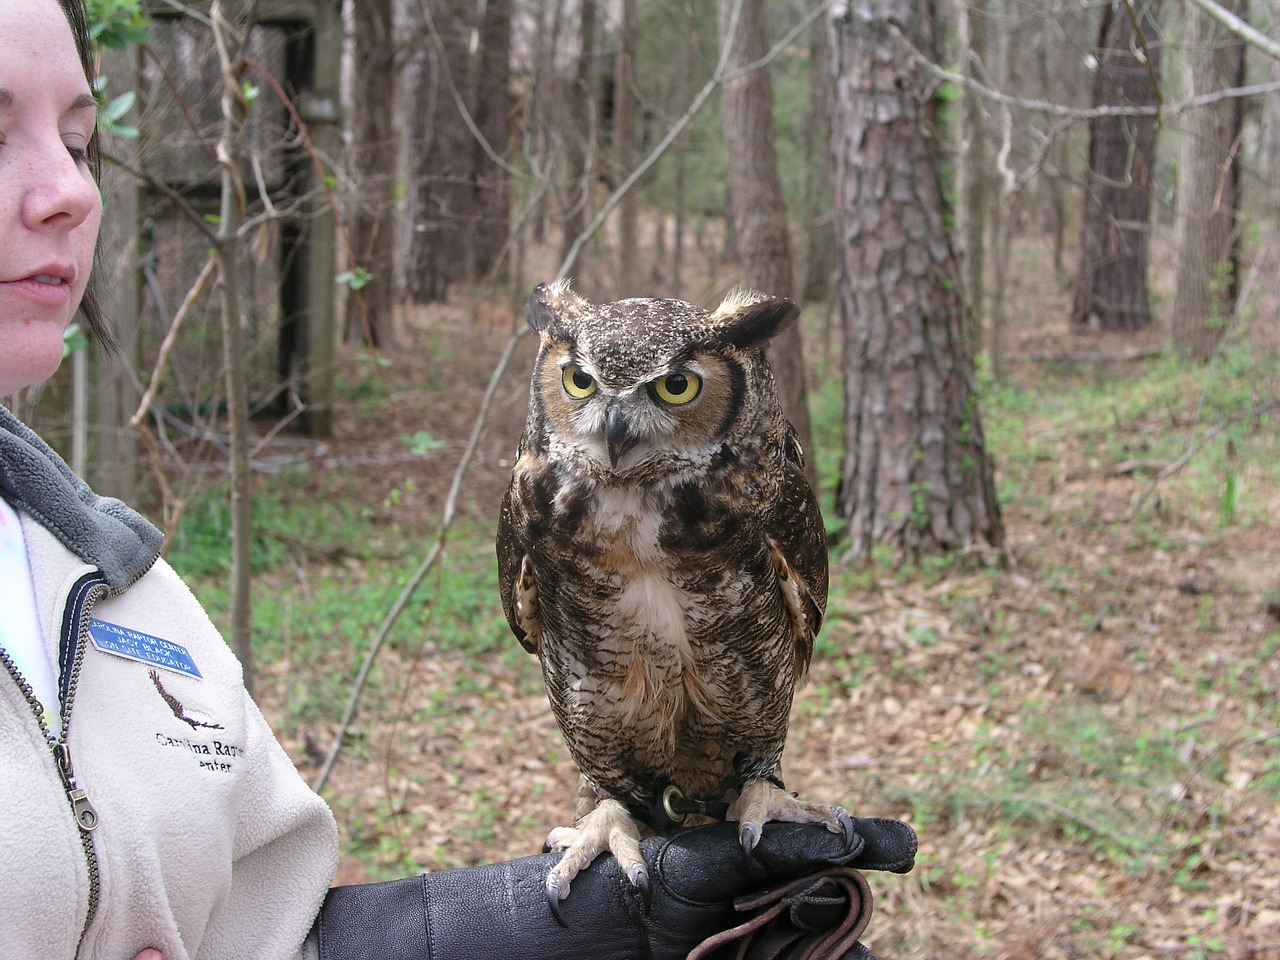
point(1037, 249)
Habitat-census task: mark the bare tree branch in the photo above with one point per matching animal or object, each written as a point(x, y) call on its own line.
point(1240, 28)
point(227, 253)
point(1079, 113)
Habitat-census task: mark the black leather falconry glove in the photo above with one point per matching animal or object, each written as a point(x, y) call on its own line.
point(500, 910)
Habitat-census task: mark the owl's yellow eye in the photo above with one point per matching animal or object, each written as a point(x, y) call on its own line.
point(577, 383)
point(676, 388)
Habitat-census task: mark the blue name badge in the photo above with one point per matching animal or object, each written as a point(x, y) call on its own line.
point(135, 645)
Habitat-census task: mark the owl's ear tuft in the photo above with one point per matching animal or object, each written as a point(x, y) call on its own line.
point(539, 313)
point(551, 304)
point(747, 318)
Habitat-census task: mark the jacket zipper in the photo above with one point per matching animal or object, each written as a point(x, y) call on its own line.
point(84, 595)
point(83, 809)
point(75, 634)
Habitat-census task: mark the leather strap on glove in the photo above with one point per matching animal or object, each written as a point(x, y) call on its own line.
point(501, 910)
point(819, 917)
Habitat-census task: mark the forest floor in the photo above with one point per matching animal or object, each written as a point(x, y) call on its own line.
point(1086, 739)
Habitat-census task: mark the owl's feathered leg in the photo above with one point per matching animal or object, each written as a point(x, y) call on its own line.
point(762, 800)
point(609, 828)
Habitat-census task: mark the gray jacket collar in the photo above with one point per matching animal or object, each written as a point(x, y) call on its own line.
point(99, 530)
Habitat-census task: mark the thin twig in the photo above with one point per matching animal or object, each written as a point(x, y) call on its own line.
point(1240, 28)
point(170, 339)
point(1077, 113)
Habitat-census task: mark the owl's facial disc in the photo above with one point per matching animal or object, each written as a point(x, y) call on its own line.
point(667, 417)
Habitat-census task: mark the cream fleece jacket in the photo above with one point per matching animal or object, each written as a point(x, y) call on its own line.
point(207, 843)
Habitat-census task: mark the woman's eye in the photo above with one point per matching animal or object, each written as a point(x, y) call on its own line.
point(77, 147)
point(577, 383)
point(677, 388)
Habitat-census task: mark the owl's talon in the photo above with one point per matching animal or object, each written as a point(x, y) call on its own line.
point(608, 828)
point(556, 891)
point(560, 838)
point(846, 825)
point(749, 836)
point(638, 874)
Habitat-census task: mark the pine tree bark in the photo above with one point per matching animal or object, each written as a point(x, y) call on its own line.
point(1111, 293)
point(1208, 234)
point(755, 193)
point(915, 474)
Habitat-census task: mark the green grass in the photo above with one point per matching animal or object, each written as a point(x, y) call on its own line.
point(1225, 412)
point(326, 572)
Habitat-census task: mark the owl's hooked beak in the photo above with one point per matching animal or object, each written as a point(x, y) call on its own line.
point(618, 437)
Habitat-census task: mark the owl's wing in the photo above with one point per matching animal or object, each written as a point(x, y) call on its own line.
point(516, 582)
point(800, 548)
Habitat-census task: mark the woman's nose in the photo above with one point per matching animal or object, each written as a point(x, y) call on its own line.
point(63, 192)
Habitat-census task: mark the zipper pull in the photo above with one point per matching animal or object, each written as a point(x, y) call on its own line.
point(85, 814)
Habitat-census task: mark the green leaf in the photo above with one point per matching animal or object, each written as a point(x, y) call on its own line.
point(111, 112)
point(73, 340)
point(1230, 500)
point(377, 359)
point(117, 23)
point(120, 105)
point(356, 278)
point(421, 443)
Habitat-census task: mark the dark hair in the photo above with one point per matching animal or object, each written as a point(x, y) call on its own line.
point(90, 308)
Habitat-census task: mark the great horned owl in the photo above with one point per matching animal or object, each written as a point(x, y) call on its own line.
point(661, 552)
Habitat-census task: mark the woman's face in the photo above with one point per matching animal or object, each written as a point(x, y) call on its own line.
point(49, 203)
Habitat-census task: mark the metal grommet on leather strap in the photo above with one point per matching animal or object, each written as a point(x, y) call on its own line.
point(669, 807)
point(672, 804)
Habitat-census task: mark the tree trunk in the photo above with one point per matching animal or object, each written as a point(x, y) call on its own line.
point(580, 133)
point(971, 162)
point(624, 149)
point(755, 192)
point(819, 239)
point(680, 153)
point(1208, 234)
point(113, 454)
point(1112, 287)
point(491, 111)
point(460, 219)
point(228, 251)
point(915, 474)
point(372, 229)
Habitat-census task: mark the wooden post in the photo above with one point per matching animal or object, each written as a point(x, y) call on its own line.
point(320, 108)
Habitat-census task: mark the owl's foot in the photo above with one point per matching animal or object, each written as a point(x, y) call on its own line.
point(608, 828)
point(762, 801)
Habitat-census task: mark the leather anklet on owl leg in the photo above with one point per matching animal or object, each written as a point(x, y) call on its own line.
point(762, 801)
point(609, 828)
